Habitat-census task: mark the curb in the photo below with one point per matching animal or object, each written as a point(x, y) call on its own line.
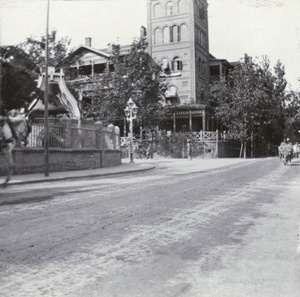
point(73, 177)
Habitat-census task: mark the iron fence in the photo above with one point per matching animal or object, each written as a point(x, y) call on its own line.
point(37, 134)
point(69, 134)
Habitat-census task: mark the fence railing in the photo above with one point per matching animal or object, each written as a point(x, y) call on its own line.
point(37, 134)
point(201, 136)
point(67, 133)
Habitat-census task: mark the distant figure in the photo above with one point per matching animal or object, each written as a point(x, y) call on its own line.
point(296, 149)
point(148, 152)
point(286, 149)
point(189, 149)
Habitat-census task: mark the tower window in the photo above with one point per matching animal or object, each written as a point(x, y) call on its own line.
point(169, 8)
point(157, 10)
point(176, 64)
point(179, 33)
point(183, 33)
point(166, 35)
point(174, 34)
point(205, 40)
point(157, 36)
point(182, 6)
point(202, 13)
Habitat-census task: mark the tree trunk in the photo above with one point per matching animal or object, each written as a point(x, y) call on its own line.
point(245, 149)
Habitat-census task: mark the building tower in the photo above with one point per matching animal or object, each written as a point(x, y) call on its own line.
point(178, 41)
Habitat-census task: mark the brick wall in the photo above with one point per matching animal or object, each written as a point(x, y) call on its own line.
point(31, 160)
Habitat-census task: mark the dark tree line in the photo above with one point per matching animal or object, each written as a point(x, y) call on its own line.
point(252, 101)
point(18, 74)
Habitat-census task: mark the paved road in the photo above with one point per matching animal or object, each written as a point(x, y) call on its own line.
point(231, 231)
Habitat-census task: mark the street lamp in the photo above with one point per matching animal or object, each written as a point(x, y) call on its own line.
point(131, 112)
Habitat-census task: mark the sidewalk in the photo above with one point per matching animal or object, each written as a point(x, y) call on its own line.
point(175, 166)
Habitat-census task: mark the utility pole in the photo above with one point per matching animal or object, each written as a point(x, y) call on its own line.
point(46, 136)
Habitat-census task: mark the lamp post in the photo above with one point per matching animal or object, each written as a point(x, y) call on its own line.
point(131, 112)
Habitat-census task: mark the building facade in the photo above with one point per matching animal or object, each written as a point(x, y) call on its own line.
point(178, 41)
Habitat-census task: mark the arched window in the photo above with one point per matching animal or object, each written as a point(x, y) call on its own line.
point(169, 8)
point(174, 34)
point(182, 6)
point(176, 64)
point(202, 13)
point(205, 40)
point(166, 35)
point(157, 11)
point(183, 33)
point(157, 36)
point(202, 38)
point(198, 34)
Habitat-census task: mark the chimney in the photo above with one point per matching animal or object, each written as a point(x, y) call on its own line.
point(88, 41)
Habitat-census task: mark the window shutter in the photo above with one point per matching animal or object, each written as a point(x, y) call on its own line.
point(179, 65)
point(173, 65)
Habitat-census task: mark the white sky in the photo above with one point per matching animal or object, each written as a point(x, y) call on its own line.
point(255, 27)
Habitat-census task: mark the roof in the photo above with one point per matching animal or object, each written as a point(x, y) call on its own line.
point(223, 61)
point(91, 49)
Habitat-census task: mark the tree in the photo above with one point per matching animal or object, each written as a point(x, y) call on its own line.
point(135, 75)
point(21, 65)
point(18, 74)
point(57, 50)
point(251, 101)
point(292, 116)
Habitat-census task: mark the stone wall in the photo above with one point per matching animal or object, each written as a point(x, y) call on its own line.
point(31, 160)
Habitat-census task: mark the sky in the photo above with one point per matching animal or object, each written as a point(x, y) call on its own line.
point(236, 27)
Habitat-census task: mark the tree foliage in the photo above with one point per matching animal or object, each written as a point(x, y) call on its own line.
point(21, 65)
point(135, 75)
point(252, 100)
point(292, 111)
point(57, 50)
point(18, 74)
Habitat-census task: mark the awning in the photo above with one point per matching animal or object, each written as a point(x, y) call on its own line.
point(165, 65)
point(171, 93)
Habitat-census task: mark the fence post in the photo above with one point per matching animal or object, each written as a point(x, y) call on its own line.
point(112, 140)
point(67, 132)
point(117, 138)
point(99, 135)
point(217, 143)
